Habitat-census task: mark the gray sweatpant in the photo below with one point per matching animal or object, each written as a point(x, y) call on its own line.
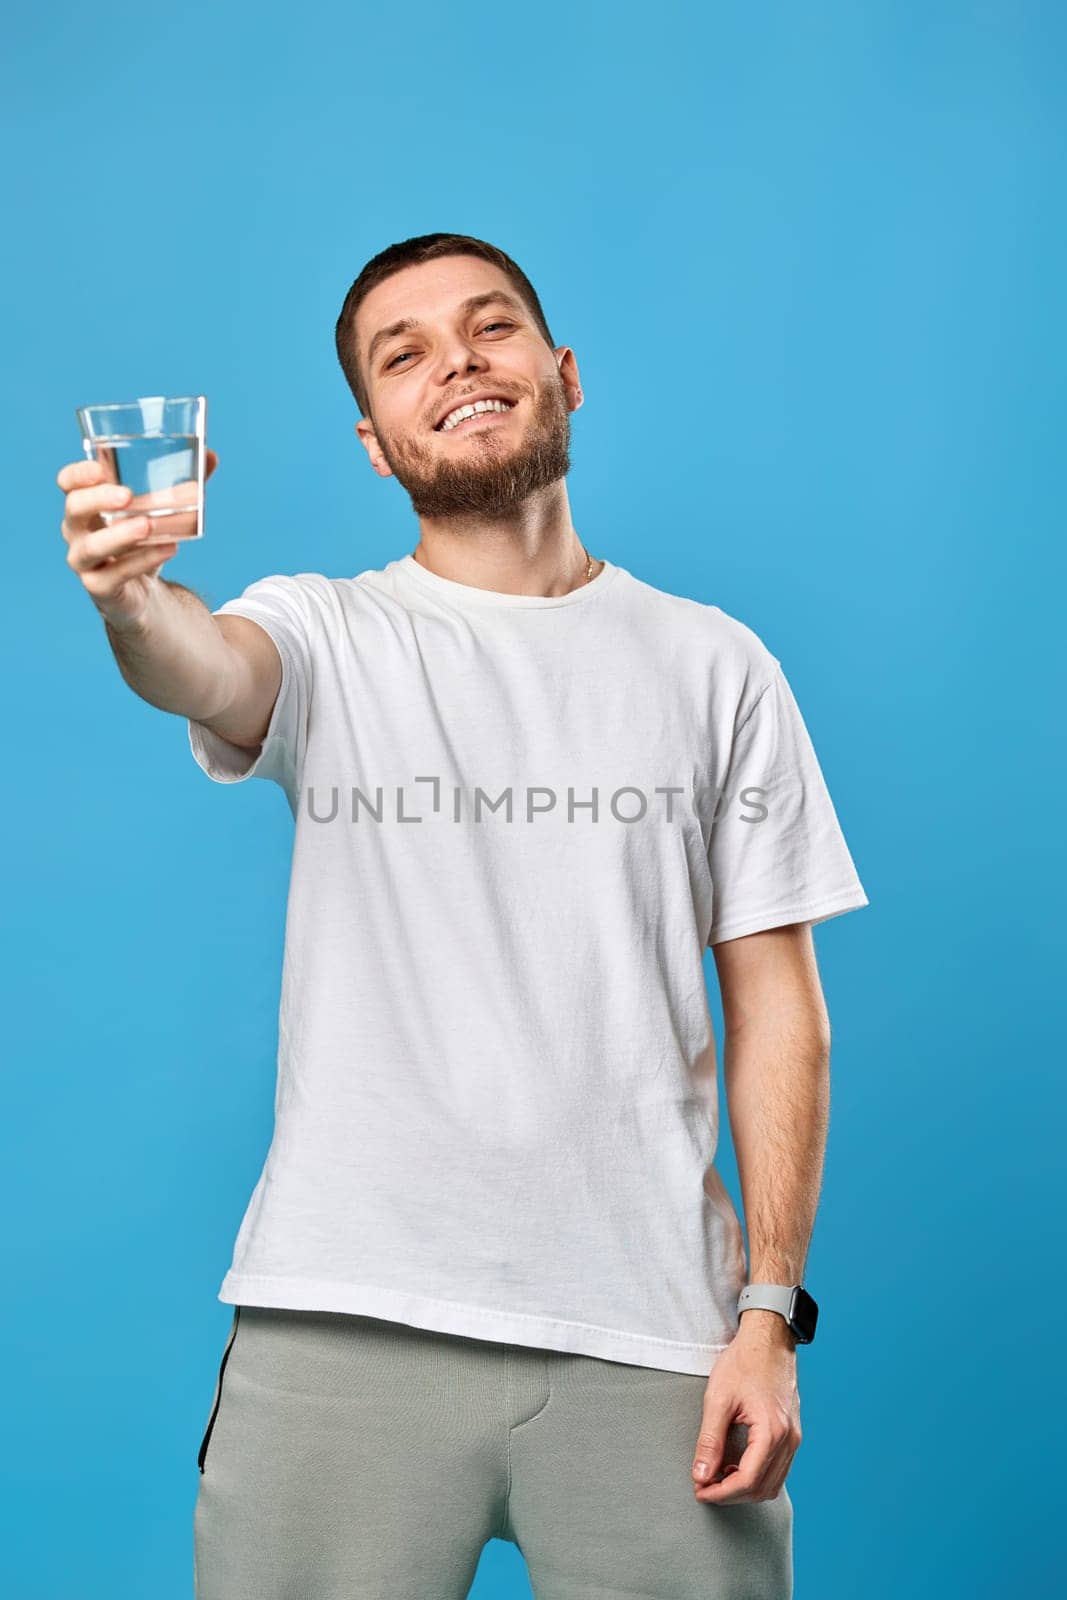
point(350, 1458)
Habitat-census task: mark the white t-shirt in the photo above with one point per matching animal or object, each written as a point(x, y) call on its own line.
point(497, 1109)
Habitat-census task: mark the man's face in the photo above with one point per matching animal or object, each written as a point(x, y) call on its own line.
point(487, 466)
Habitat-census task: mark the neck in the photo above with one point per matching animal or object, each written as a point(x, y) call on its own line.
point(537, 552)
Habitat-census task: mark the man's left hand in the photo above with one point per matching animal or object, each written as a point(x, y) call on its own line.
point(754, 1381)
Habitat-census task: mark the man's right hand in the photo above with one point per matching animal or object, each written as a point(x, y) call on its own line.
point(114, 564)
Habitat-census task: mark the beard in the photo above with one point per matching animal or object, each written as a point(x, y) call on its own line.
point(487, 474)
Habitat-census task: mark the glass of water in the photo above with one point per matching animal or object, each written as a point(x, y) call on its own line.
point(154, 446)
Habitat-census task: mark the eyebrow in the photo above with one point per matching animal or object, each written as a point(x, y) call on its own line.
point(411, 324)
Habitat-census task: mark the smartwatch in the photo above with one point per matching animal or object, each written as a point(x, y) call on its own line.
point(791, 1301)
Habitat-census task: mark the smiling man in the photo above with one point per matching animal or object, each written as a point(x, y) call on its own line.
point(468, 406)
point(489, 1282)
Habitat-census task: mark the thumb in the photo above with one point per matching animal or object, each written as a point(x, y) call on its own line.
point(211, 461)
point(712, 1440)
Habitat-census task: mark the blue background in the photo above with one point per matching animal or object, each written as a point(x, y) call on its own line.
point(810, 259)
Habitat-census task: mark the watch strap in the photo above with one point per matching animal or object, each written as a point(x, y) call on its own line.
point(767, 1297)
point(791, 1301)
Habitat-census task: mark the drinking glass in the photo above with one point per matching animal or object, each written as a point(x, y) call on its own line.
point(155, 446)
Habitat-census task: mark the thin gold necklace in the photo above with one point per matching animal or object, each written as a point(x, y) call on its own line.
point(589, 562)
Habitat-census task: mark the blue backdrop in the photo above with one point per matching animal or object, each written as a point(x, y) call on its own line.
point(811, 262)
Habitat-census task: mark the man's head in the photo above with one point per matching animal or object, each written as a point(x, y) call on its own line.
point(439, 321)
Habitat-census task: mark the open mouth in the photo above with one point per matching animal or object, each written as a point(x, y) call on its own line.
point(478, 419)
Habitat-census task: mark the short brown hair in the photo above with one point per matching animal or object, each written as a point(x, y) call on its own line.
point(425, 247)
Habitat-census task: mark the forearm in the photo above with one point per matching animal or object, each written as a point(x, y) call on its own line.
point(777, 1078)
point(175, 655)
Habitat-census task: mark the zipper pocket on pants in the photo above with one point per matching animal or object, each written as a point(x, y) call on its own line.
point(202, 1455)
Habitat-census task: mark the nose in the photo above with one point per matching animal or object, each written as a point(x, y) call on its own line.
point(458, 359)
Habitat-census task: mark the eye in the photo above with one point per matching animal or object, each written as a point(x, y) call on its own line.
point(488, 325)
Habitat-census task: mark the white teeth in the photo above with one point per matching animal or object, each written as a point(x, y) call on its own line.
point(462, 412)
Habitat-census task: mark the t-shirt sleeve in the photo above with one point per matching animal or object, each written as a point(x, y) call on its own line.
point(776, 851)
point(283, 608)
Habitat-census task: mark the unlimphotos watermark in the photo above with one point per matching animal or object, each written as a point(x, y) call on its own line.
point(628, 803)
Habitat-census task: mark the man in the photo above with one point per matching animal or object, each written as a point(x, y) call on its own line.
point(488, 1282)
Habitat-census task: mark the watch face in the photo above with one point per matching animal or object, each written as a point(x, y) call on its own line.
point(805, 1315)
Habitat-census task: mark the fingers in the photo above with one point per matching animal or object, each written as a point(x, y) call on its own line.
point(100, 546)
point(113, 559)
point(105, 581)
point(85, 507)
point(80, 474)
point(75, 473)
point(721, 1440)
point(760, 1473)
point(91, 491)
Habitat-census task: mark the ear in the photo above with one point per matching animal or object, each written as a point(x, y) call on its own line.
point(369, 440)
point(568, 371)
